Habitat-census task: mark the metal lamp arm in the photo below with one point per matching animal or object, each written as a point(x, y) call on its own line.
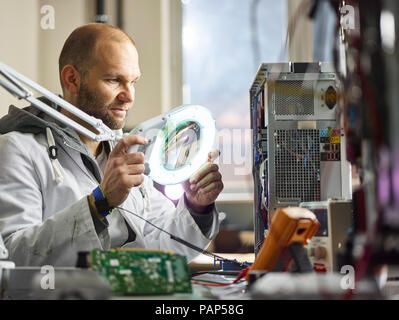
point(11, 84)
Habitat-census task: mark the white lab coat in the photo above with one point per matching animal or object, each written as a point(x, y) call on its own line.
point(45, 217)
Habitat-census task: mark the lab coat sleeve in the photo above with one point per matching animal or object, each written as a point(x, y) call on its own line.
point(178, 222)
point(31, 240)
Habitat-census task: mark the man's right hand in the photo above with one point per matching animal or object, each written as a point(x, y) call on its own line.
point(123, 170)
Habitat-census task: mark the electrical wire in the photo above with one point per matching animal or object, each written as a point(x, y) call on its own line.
point(369, 97)
point(184, 242)
point(218, 272)
point(242, 274)
point(254, 32)
point(292, 24)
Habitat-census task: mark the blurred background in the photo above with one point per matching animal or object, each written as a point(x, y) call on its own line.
point(191, 51)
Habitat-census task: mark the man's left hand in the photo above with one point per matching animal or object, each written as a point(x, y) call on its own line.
point(203, 187)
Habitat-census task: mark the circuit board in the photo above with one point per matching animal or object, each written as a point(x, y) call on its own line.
point(138, 272)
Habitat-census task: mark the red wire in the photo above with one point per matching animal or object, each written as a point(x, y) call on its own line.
point(242, 274)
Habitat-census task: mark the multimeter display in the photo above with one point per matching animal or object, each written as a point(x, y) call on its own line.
point(321, 215)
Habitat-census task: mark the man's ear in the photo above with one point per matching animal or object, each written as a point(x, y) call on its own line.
point(71, 79)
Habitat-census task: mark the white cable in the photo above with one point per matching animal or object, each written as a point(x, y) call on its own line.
point(54, 161)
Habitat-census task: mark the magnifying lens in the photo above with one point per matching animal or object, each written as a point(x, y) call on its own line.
point(178, 143)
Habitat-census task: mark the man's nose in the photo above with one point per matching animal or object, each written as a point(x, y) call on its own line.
point(127, 94)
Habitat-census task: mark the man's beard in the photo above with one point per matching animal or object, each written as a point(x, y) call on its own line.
point(91, 103)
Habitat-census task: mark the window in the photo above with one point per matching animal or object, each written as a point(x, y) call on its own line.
point(224, 43)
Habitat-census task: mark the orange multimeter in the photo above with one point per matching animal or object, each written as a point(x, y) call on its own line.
point(288, 225)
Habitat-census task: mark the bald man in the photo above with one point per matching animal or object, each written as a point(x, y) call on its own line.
point(59, 190)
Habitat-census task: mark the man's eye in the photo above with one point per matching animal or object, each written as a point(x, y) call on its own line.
point(113, 80)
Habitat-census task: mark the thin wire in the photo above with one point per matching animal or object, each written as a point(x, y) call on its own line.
point(361, 263)
point(184, 242)
point(254, 32)
point(242, 274)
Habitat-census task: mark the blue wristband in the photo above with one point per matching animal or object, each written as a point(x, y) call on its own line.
point(101, 203)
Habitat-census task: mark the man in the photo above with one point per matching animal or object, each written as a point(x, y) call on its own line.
point(58, 188)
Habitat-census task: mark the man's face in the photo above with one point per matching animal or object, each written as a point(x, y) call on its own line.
point(107, 92)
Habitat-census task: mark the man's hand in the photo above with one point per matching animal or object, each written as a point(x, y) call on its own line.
point(204, 186)
point(123, 170)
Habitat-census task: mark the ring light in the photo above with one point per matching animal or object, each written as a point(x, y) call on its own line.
point(178, 143)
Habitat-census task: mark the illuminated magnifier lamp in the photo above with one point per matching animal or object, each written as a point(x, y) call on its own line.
point(178, 143)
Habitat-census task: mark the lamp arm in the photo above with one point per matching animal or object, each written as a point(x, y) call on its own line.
point(11, 84)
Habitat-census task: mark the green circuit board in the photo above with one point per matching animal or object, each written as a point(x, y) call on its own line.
point(136, 271)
